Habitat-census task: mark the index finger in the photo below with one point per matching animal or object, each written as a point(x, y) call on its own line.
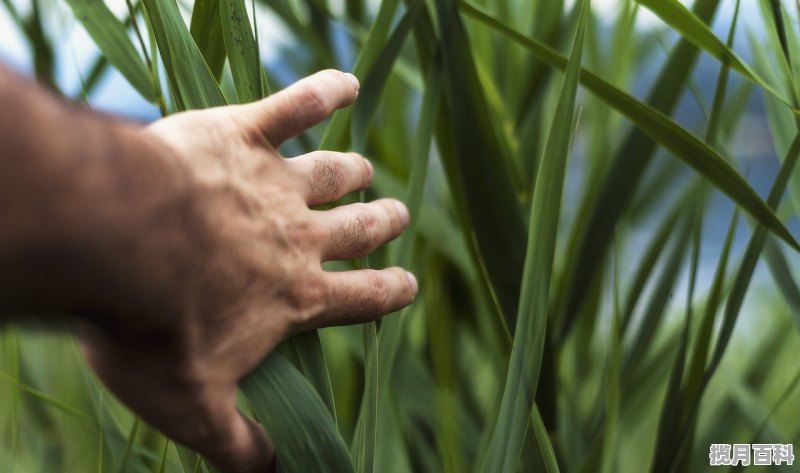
point(302, 105)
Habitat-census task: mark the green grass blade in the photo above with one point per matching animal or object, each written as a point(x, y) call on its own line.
point(365, 439)
point(698, 33)
point(300, 425)
point(782, 275)
point(476, 169)
point(311, 356)
point(335, 136)
point(369, 95)
point(698, 382)
point(112, 39)
point(189, 459)
point(543, 440)
point(190, 78)
point(206, 29)
point(656, 305)
point(659, 127)
point(612, 399)
point(751, 256)
point(528, 346)
point(242, 50)
point(650, 257)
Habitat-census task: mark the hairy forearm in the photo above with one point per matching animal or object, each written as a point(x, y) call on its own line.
point(75, 187)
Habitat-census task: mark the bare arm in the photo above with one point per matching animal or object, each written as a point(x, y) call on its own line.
point(186, 250)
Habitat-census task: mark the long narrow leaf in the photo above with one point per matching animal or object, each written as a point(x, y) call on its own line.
point(527, 349)
point(190, 78)
point(300, 426)
point(242, 51)
point(698, 33)
point(660, 128)
point(112, 39)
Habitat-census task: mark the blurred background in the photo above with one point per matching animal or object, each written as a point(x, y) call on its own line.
point(671, 324)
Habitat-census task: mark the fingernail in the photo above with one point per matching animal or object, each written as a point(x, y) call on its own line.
point(412, 281)
point(402, 212)
point(354, 80)
point(370, 169)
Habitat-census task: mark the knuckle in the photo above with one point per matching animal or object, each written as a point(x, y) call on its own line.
point(307, 297)
point(303, 233)
point(328, 175)
point(364, 172)
point(311, 98)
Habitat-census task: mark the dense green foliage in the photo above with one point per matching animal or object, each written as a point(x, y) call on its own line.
point(579, 310)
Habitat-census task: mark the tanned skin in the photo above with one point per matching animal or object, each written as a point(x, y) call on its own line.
point(185, 251)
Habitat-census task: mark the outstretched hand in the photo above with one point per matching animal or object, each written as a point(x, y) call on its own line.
point(214, 282)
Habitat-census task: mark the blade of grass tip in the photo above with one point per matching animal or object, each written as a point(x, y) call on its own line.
point(190, 78)
point(242, 50)
point(371, 91)
point(110, 36)
point(698, 33)
point(300, 426)
point(527, 349)
point(206, 29)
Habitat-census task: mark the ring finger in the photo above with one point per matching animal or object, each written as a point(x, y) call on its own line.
point(356, 230)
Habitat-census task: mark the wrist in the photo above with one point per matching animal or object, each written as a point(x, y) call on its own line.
point(81, 207)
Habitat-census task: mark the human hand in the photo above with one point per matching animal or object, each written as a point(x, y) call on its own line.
point(214, 282)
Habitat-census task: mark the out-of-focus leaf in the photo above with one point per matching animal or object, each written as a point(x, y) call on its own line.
point(335, 136)
point(110, 36)
point(698, 33)
point(371, 91)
